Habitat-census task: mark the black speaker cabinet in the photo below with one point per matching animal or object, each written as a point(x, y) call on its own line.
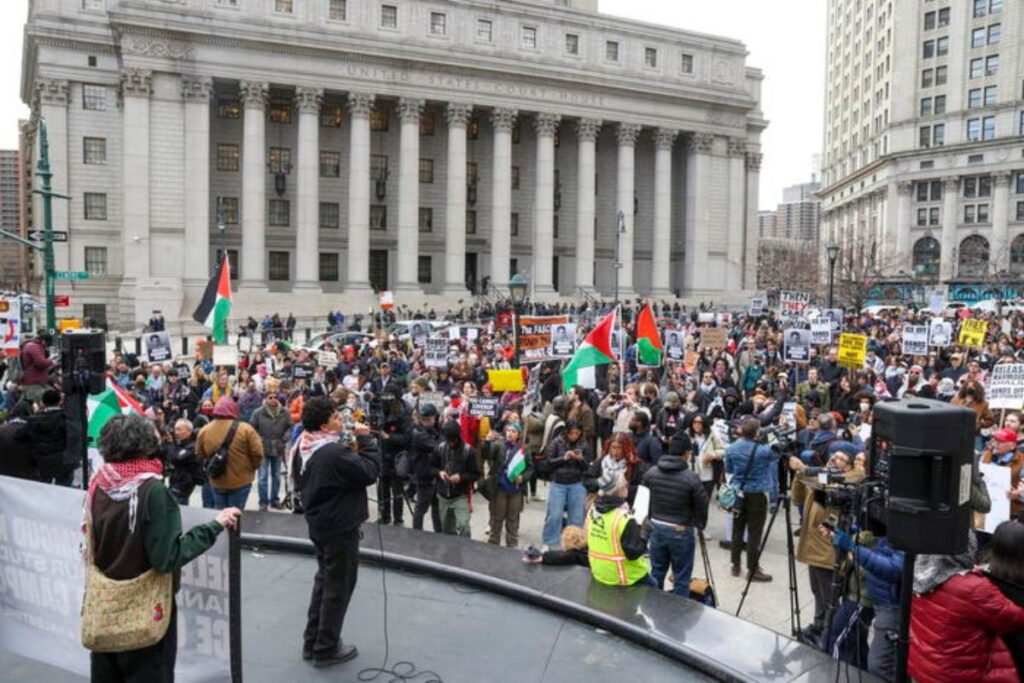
point(923, 451)
point(83, 360)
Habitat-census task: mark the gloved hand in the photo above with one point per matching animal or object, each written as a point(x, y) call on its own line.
point(842, 540)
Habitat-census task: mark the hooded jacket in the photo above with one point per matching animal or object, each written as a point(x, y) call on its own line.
point(677, 495)
point(274, 431)
point(35, 363)
point(245, 453)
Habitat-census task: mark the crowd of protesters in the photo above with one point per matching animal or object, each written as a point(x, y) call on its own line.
point(680, 429)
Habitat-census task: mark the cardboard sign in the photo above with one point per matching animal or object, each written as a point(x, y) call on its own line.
point(535, 336)
point(972, 333)
point(797, 345)
point(563, 341)
point(327, 359)
point(756, 308)
point(435, 353)
point(204, 350)
point(713, 338)
point(158, 347)
point(793, 304)
point(853, 349)
point(915, 340)
point(482, 406)
point(225, 354)
point(821, 331)
point(940, 333)
point(674, 345)
point(1006, 386)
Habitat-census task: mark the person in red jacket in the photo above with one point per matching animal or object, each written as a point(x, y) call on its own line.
point(36, 365)
point(957, 631)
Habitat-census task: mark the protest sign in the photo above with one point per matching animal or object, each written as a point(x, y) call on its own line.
point(690, 361)
point(43, 577)
point(793, 304)
point(563, 341)
point(158, 347)
point(940, 332)
point(787, 419)
point(756, 308)
point(463, 332)
point(419, 332)
point(853, 349)
point(821, 331)
point(435, 353)
point(435, 398)
point(705, 318)
point(915, 340)
point(997, 481)
point(535, 336)
point(724, 319)
point(797, 345)
point(1006, 386)
point(835, 315)
point(225, 355)
point(713, 338)
point(505, 380)
point(328, 359)
point(674, 345)
point(972, 333)
point(204, 350)
point(482, 406)
point(302, 371)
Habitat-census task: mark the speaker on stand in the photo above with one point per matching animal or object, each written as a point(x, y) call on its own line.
point(83, 365)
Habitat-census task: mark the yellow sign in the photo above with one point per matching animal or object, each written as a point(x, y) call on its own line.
point(853, 349)
point(972, 333)
point(69, 324)
point(505, 380)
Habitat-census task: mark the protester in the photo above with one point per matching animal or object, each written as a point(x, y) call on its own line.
point(568, 460)
point(36, 366)
point(274, 426)
point(509, 468)
point(454, 466)
point(244, 453)
point(754, 468)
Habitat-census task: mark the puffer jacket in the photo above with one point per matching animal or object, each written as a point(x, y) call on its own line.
point(884, 565)
point(677, 495)
point(955, 632)
point(35, 363)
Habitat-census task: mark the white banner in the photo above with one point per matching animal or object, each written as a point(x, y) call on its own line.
point(821, 331)
point(756, 309)
point(997, 481)
point(42, 579)
point(435, 353)
point(1006, 386)
point(915, 340)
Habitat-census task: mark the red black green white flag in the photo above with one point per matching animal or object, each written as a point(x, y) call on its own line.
point(595, 350)
point(215, 306)
point(648, 340)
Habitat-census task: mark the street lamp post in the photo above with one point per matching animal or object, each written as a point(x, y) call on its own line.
point(517, 287)
point(833, 254)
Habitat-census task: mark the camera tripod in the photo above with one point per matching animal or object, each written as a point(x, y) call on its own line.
point(794, 597)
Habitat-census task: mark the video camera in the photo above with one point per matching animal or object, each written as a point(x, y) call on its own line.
point(777, 436)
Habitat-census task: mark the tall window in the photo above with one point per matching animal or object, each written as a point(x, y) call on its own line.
point(279, 267)
point(943, 17)
point(991, 65)
point(687, 63)
point(426, 171)
point(389, 16)
point(515, 177)
point(972, 260)
point(572, 43)
point(233, 264)
point(284, 6)
point(95, 206)
point(227, 157)
point(941, 73)
point(378, 166)
point(379, 120)
point(942, 46)
point(484, 30)
point(471, 222)
point(973, 130)
point(424, 270)
point(974, 98)
point(280, 160)
point(514, 222)
point(330, 164)
point(378, 217)
point(611, 50)
point(1017, 247)
point(96, 261)
point(928, 49)
point(332, 115)
point(978, 37)
point(988, 128)
point(990, 95)
point(926, 257)
point(927, 78)
point(426, 219)
point(438, 23)
point(94, 97)
point(280, 112)
point(330, 215)
point(995, 34)
point(940, 104)
point(328, 267)
point(428, 123)
point(94, 151)
point(228, 210)
point(280, 213)
point(228, 108)
point(528, 37)
point(337, 10)
point(651, 57)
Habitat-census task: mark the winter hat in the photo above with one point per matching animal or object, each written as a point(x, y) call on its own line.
point(608, 484)
point(680, 444)
point(1006, 435)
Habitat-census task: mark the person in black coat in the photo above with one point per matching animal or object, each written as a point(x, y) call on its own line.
point(679, 506)
point(395, 437)
point(333, 480)
point(454, 467)
point(183, 469)
point(47, 436)
point(424, 439)
point(15, 451)
point(648, 448)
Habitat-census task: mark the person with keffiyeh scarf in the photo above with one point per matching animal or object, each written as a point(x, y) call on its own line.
point(132, 524)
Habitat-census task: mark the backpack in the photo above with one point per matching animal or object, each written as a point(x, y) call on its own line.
point(15, 371)
point(217, 464)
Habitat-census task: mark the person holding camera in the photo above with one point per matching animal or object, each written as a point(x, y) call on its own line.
point(453, 465)
point(426, 434)
point(183, 471)
point(753, 466)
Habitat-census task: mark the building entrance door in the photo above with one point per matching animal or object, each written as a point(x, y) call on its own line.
point(379, 269)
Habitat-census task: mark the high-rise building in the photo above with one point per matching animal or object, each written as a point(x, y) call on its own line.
point(766, 221)
point(798, 217)
point(923, 175)
point(12, 254)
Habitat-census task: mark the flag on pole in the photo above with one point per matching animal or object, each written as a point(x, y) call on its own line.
point(113, 400)
point(648, 340)
point(215, 306)
point(595, 350)
point(516, 466)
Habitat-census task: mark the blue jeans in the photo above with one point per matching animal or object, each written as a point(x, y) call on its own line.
point(234, 498)
point(563, 499)
point(207, 496)
point(270, 468)
point(670, 547)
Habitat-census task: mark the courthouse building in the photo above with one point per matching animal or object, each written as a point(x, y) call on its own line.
point(337, 147)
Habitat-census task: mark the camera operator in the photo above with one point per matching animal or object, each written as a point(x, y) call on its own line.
point(426, 434)
point(815, 550)
point(395, 434)
point(184, 471)
point(753, 465)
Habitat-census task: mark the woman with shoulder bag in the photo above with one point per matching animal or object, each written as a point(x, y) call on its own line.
point(509, 470)
point(134, 550)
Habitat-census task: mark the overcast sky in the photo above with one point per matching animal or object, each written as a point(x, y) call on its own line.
point(786, 39)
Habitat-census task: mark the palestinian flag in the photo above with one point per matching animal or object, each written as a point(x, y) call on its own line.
point(648, 340)
point(516, 466)
point(595, 350)
point(113, 400)
point(215, 305)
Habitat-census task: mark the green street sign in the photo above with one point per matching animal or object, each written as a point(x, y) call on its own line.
point(71, 275)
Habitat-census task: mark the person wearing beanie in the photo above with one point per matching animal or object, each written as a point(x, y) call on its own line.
point(453, 465)
point(509, 467)
point(679, 506)
point(615, 546)
point(671, 419)
point(245, 454)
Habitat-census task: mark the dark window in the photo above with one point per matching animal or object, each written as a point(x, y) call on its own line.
point(332, 115)
point(424, 270)
point(379, 120)
point(96, 313)
point(280, 160)
point(96, 261)
point(427, 123)
point(330, 164)
point(232, 262)
point(94, 151)
point(95, 206)
point(378, 217)
point(426, 171)
point(94, 97)
point(279, 270)
point(328, 267)
point(515, 177)
point(426, 219)
point(470, 222)
point(330, 215)
point(514, 222)
point(280, 212)
point(228, 208)
point(280, 112)
point(227, 157)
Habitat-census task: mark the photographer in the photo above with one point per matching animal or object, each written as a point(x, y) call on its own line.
point(453, 465)
point(184, 472)
point(395, 433)
point(754, 466)
point(815, 550)
point(425, 436)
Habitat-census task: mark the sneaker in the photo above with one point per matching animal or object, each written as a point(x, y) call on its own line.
point(735, 570)
point(343, 654)
point(759, 576)
point(275, 505)
point(263, 508)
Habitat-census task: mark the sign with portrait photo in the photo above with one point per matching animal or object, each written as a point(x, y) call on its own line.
point(940, 333)
point(563, 340)
point(419, 332)
point(158, 347)
point(675, 345)
point(797, 345)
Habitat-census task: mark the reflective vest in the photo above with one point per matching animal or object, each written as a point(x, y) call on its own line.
point(608, 562)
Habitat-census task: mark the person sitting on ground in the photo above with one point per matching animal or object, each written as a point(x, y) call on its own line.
point(615, 546)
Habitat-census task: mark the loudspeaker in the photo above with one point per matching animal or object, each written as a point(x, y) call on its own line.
point(923, 452)
point(83, 358)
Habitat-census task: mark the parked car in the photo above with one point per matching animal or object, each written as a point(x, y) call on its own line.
point(400, 329)
point(336, 339)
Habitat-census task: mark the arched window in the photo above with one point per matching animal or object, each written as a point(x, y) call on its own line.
point(926, 258)
point(1017, 255)
point(973, 257)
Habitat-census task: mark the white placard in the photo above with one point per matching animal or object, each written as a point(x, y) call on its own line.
point(940, 333)
point(1006, 386)
point(328, 359)
point(821, 331)
point(997, 481)
point(225, 354)
point(435, 353)
point(756, 308)
point(158, 346)
point(641, 504)
point(915, 340)
point(793, 304)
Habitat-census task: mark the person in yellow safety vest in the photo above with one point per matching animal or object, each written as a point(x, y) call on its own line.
point(614, 544)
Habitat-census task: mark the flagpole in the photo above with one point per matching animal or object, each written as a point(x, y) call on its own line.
point(621, 350)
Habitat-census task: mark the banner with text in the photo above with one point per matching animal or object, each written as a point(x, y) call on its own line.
point(435, 352)
point(535, 336)
point(793, 304)
point(853, 349)
point(915, 340)
point(1006, 386)
point(972, 333)
point(821, 331)
point(42, 579)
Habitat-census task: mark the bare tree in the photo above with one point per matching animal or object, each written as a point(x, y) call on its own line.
point(788, 265)
point(860, 269)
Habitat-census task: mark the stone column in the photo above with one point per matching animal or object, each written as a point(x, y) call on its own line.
point(457, 116)
point(254, 185)
point(999, 254)
point(627, 134)
point(410, 111)
point(196, 91)
point(902, 225)
point(587, 131)
point(753, 164)
point(307, 190)
point(950, 220)
point(359, 105)
point(698, 170)
point(661, 282)
point(544, 205)
point(501, 196)
point(52, 100)
point(136, 87)
point(737, 151)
